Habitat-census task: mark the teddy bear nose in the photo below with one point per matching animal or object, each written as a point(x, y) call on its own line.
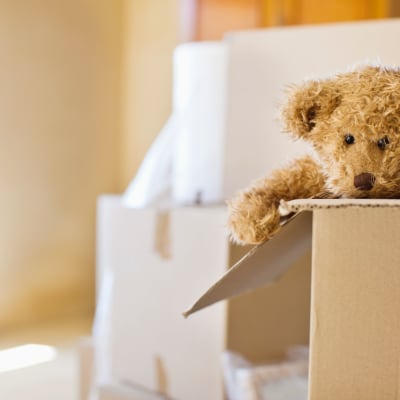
point(364, 181)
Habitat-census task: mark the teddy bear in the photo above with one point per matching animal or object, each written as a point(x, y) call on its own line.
point(352, 121)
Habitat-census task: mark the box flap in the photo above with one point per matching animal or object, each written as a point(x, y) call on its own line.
point(263, 264)
point(266, 262)
point(296, 206)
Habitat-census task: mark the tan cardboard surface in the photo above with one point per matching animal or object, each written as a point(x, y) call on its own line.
point(355, 323)
point(299, 205)
point(262, 265)
point(263, 323)
point(285, 305)
point(265, 263)
point(355, 328)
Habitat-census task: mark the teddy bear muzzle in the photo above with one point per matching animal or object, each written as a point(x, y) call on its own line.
point(364, 181)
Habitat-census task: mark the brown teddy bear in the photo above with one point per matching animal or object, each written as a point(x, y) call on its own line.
point(352, 120)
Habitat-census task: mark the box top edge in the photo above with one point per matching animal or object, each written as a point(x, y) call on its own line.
point(295, 206)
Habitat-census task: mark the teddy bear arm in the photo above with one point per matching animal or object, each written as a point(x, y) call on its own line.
point(254, 216)
point(301, 179)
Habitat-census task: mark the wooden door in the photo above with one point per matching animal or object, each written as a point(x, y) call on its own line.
point(216, 17)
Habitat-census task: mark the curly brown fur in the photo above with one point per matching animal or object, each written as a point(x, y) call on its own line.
point(254, 215)
point(364, 104)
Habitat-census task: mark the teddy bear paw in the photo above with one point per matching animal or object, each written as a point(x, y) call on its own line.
point(245, 230)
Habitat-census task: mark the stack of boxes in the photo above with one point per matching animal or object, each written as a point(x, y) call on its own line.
point(161, 261)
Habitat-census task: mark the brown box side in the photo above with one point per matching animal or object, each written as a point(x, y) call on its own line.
point(264, 323)
point(355, 303)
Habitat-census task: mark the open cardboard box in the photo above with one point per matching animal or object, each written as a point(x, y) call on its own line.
point(355, 292)
point(150, 343)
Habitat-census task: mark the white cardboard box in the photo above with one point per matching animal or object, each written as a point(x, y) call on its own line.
point(85, 353)
point(150, 342)
point(227, 95)
point(262, 63)
point(114, 391)
point(104, 391)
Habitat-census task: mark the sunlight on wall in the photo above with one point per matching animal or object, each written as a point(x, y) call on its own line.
point(59, 105)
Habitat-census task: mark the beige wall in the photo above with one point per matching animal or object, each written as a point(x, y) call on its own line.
point(85, 88)
point(151, 31)
point(59, 138)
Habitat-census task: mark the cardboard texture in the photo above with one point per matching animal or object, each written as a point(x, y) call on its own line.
point(355, 295)
point(150, 343)
point(280, 257)
point(355, 322)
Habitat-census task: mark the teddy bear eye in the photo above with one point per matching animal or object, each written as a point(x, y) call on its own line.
point(349, 139)
point(383, 142)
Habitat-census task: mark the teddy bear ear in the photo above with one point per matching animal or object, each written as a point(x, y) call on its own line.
point(309, 104)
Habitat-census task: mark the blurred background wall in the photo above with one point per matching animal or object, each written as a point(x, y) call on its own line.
point(151, 30)
point(59, 132)
point(85, 88)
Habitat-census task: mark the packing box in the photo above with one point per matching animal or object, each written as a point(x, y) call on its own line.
point(114, 391)
point(262, 63)
point(160, 261)
point(355, 301)
point(227, 96)
point(85, 350)
point(104, 391)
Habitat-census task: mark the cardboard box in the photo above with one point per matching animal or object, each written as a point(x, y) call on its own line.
point(109, 391)
point(85, 360)
point(114, 391)
point(355, 304)
point(238, 84)
point(261, 65)
point(160, 261)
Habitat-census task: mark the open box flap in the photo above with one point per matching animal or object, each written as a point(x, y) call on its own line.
point(266, 262)
point(263, 264)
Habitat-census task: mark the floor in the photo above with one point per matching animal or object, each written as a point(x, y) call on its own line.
point(57, 379)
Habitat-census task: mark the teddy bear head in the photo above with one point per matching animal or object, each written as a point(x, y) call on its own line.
point(352, 121)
